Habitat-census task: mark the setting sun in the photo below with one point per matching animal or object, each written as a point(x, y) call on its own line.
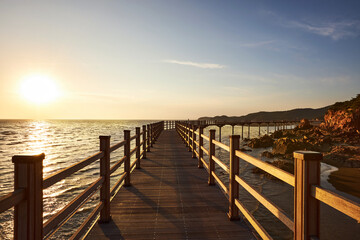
point(39, 89)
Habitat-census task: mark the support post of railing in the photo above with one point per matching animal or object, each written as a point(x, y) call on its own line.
point(28, 214)
point(137, 130)
point(127, 158)
point(189, 139)
point(201, 130)
point(105, 173)
point(151, 135)
point(193, 141)
point(234, 170)
point(306, 207)
point(219, 133)
point(211, 154)
point(144, 141)
point(148, 138)
point(242, 131)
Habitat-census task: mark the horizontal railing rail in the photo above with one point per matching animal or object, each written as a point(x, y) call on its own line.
point(27, 197)
point(305, 181)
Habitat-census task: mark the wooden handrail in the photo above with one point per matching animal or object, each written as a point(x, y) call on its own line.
point(256, 225)
point(133, 137)
point(115, 188)
point(275, 210)
point(64, 173)
point(117, 165)
point(221, 184)
point(116, 146)
point(221, 145)
point(65, 212)
point(205, 137)
point(204, 163)
point(221, 164)
point(133, 151)
point(346, 206)
point(276, 172)
point(307, 168)
point(83, 228)
point(205, 150)
point(11, 199)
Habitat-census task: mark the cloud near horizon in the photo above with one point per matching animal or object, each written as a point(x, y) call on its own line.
point(196, 64)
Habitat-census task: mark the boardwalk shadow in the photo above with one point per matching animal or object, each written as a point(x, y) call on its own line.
point(111, 230)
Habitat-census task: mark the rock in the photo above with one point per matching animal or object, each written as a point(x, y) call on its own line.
point(285, 146)
point(343, 156)
point(267, 154)
point(304, 125)
point(343, 120)
point(344, 116)
point(277, 134)
point(262, 142)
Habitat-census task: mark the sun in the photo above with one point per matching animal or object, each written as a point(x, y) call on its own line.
point(39, 89)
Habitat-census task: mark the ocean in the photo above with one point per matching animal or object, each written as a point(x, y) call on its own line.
point(66, 142)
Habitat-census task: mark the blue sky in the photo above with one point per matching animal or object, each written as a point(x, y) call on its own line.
point(179, 59)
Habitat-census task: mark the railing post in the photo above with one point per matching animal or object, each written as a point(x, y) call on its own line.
point(127, 158)
point(105, 173)
point(189, 135)
point(137, 130)
point(148, 138)
point(151, 134)
point(144, 141)
point(193, 141)
point(306, 207)
point(200, 163)
point(28, 214)
point(211, 154)
point(234, 170)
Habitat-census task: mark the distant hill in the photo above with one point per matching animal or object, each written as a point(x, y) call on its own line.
point(290, 115)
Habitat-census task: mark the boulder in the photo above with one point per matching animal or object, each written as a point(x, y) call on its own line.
point(267, 154)
point(304, 125)
point(277, 134)
point(262, 142)
point(286, 146)
point(342, 120)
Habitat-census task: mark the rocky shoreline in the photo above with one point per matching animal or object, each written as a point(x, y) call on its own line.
point(339, 148)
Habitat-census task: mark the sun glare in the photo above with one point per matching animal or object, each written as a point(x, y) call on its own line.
point(39, 89)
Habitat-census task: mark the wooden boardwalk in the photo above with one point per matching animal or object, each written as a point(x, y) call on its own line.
point(170, 199)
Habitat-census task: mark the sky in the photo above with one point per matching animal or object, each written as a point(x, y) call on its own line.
point(177, 59)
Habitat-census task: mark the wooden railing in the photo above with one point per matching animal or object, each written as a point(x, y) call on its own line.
point(27, 197)
point(306, 182)
point(169, 124)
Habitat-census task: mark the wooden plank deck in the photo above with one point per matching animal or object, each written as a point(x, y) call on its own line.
point(170, 199)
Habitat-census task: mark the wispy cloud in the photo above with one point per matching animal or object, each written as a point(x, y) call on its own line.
point(256, 44)
point(335, 30)
point(196, 64)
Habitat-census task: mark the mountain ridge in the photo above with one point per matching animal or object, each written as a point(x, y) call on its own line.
point(288, 115)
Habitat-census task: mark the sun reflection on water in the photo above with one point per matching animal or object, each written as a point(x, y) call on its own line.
point(39, 142)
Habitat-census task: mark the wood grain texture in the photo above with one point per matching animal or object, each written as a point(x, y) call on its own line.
point(169, 198)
